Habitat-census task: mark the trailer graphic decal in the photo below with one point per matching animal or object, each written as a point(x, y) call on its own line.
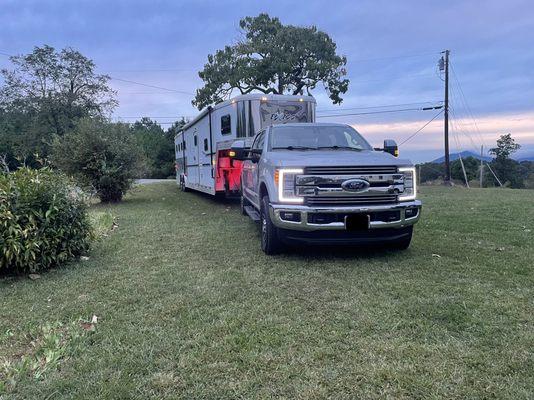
point(273, 113)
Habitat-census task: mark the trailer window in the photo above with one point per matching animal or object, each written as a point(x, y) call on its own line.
point(205, 144)
point(226, 124)
point(251, 130)
point(241, 128)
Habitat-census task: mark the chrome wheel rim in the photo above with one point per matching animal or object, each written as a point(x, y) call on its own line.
point(263, 230)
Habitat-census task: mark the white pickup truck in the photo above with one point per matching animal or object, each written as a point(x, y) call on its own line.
point(324, 184)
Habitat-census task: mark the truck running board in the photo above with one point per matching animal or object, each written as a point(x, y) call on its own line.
point(252, 213)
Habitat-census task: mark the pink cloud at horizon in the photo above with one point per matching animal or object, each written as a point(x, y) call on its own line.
point(464, 135)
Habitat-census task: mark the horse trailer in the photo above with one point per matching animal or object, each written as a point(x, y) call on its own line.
point(203, 147)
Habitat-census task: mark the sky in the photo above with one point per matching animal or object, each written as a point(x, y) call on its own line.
point(392, 49)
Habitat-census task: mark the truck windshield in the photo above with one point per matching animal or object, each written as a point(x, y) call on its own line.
point(335, 137)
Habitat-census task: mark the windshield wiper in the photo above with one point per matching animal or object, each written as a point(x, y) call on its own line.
point(335, 147)
point(295, 148)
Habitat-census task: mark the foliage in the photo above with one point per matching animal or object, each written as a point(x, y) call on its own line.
point(472, 169)
point(507, 170)
point(273, 58)
point(506, 146)
point(430, 171)
point(104, 157)
point(157, 146)
point(45, 94)
point(529, 181)
point(43, 220)
point(44, 350)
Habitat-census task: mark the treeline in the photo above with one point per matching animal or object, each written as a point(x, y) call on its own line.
point(502, 170)
point(47, 95)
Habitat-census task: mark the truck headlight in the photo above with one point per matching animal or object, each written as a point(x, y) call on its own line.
point(284, 179)
point(410, 184)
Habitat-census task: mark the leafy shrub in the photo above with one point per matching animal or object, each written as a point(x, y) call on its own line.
point(157, 146)
point(104, 157)
point(43, 220)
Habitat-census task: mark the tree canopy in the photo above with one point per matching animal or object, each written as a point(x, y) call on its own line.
point(273, 58)
point(44, 94)
point(506, 146)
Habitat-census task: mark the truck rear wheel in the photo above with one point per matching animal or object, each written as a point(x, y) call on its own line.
point(270, 242)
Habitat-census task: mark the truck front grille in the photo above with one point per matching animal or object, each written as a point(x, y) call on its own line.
point(350, 200)
point(351, 170)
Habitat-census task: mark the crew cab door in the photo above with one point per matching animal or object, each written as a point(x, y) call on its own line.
point(251, 170)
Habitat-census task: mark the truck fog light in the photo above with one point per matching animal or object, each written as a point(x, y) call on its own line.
point(410, 212)
point(291, 216)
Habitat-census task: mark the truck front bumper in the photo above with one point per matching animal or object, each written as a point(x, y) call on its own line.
point(306, 218)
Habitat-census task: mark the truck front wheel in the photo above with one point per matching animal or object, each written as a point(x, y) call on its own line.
point(270, 242)
point(404, 243)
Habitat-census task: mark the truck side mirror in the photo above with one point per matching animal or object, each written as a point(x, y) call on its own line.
point(239, 151)
point(390, 146)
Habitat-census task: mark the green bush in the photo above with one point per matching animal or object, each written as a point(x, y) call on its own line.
point(43, 220)
point(103, 157)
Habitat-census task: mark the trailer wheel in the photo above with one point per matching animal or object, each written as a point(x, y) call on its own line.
point(270, 242)
point(183, 188)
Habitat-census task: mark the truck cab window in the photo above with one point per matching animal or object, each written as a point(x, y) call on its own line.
point(226, 124)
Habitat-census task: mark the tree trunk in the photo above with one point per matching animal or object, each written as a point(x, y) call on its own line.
point(280, 85)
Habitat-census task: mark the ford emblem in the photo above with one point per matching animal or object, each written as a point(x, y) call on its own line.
point(355, 185)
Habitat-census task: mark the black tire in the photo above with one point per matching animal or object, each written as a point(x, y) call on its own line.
point(183, 188)
point(270, 241)
point(404, 243)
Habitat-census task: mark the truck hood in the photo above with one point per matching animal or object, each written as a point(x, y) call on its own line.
point(317, 158)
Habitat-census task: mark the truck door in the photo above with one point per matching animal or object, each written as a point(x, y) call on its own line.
point(252, 170)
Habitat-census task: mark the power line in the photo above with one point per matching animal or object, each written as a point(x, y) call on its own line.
point(393, 57)
point(135, 83)
point(420, 129)
point(466, 105)
point(382, 106)
point(151, 86)
point(148, 116)
point(379, 112)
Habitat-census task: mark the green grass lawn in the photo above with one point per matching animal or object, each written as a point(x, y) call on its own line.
point(189, 307)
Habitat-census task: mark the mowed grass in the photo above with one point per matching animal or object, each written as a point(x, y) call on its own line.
point(189, 307)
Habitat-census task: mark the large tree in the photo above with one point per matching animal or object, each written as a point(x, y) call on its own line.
point(157, 146)
point(507, 170)
point(46, 93)
point(273, 58)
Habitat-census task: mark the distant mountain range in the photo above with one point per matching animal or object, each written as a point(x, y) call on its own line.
point(466, 154)
point(525, 158)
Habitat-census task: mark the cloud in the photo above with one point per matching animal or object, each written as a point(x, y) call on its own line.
point(465, 134)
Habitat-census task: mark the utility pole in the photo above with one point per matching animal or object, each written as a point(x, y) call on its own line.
point(481, 163)
point(445, 64)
